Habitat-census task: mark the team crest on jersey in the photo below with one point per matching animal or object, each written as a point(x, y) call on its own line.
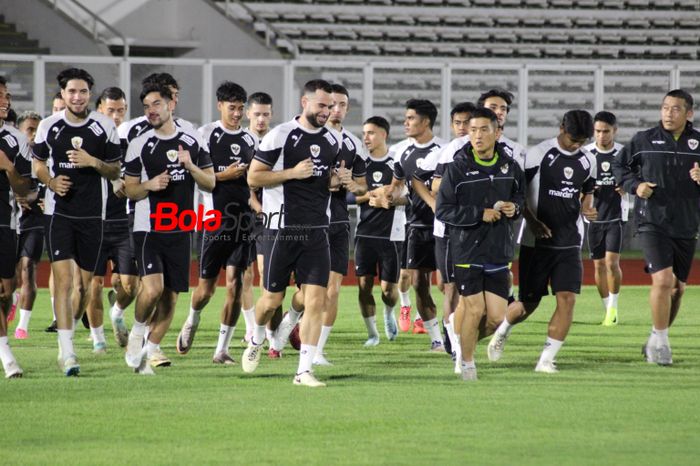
point(76, 142)
point(315, 150)
point(377, 176)
point(172, 155)
point(504, 168)
point(419, 163)
point(568, 172)
point(693, 144)
point(605, 166)
point(236, 149)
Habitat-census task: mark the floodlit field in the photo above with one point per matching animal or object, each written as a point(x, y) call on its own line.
point(393, 404)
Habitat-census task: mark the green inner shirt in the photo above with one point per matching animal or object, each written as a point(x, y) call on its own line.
point(485, 163)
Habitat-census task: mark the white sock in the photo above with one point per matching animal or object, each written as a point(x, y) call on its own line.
point(65, 342)
point(661, 336)
point(306, 358)
point(323, 338)
point(293, 315)
point(193, 318)
point(151, 348)
point(405, 298)
point(24, 315)
point(258, 334)
point(138, 329)
point(433, 328)
point(505, 327)
point(388, 312)
point(371, 323)
point(98, 334)
point(5, 353)
point(612, 303)
point(249, 317)
point(468, 364)
point(551, 348)
point(605, 302)
point(269, 335)
point(225, 334)
point(53, 309)
point(116, 312)
point(457, 347)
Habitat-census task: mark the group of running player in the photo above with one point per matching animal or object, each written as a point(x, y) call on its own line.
point(98, 190)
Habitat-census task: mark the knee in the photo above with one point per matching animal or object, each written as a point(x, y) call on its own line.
point(474, 308)
point(150, 294)
point(233, 287)
point(664, 280)
point(97, 285)
point(129, 287)
point(567, 300)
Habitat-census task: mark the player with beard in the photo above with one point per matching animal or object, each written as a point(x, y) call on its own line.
point(73, 151)
point(31, 234)
point(15, 174)
point(295, 165)
point(162, 167)
point(351, 157)
point(418, 124)
point(560, 181)
point(606, 232)
point(231, 149)
point(117, 246)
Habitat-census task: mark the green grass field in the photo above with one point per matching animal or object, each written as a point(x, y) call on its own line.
point(393, 404)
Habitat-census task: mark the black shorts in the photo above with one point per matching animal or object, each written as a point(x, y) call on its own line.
point(79, 239)
point(302, 251)
point(443, 259)
point(339, 241)
point(420, 252)
point(376, 254)
point(31, 244)
point(474, 280)
point(661, 252)
point(540, 267)
point(117, 246)
point(167, 254)
point(255, 242)
point(219, 250)
point(8, 252)
point(604, 237)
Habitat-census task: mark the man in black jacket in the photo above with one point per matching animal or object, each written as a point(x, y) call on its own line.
point(662, 167)
point(480, 195)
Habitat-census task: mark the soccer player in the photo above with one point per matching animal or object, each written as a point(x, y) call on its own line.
point(561, 178)
point(30, 245)
point(259, 114)
point(662, 167)
point(295, 165)
point(231, 149)
point(605, 233)
point(480, 195)
point(73, 151)
point(15, 173)
point(459, 124)
point(380, 232)
point(351, 158)
point(117, 246)
point(162, 167)
point(418, 123)
point(58, 104)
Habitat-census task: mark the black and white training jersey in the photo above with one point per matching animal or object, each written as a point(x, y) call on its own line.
point(226, 147)
point(611, 206)
point(353, 153)
point(130, 130)
point(97, 135)
point(298, 203)
point(16, 148)
point(32, 218)
point(556, 180)
point(376, 222)
point(151, 154)
point(409, 159)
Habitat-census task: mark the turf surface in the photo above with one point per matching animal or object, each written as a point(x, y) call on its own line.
point(393, 404)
